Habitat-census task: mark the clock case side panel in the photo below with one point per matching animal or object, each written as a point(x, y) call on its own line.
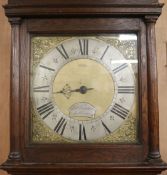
point(79, 152)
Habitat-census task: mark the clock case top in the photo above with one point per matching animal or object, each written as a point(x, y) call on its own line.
point(76, 8)
point(81, 2)
point(31, 18)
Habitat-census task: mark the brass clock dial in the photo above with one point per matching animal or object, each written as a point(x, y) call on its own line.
point(87, 86)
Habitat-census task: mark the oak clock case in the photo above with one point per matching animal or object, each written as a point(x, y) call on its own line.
point(84, 97)
point(84, 89)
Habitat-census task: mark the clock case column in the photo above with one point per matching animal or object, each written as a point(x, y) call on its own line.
point(64, 13)
point(153, 111)
point(15, 149)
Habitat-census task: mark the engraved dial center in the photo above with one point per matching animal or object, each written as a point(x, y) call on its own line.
point(84, 88)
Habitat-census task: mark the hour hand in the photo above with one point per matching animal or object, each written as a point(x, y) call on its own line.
point(67, 91)
point(59, 92)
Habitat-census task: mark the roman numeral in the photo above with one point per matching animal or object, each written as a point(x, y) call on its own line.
point(82, 132)
point(106, 128)
point(119, 68)
point(41, 89)
point(60, 127)
point(46, 109)
point(104, 52)
point(126, 89)
point(120, 111)
point(48, 68)
point(62, 51)
point(84, 44)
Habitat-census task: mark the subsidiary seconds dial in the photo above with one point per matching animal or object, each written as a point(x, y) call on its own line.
point(83, 89)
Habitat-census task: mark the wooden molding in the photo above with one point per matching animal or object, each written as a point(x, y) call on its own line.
point(14, 156)
point(107, 2)
point(91, 10)
point(151, 18)
point(15, 20)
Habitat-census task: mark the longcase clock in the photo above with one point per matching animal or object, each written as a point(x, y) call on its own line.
point(83, 88)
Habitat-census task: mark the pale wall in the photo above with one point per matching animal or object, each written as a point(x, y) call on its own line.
point(161, 31)
point(161, 36)
point(4, 84)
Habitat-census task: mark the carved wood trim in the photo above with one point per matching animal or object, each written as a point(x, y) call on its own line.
point(36, 2)
point(84, 169)
point(76, 10)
